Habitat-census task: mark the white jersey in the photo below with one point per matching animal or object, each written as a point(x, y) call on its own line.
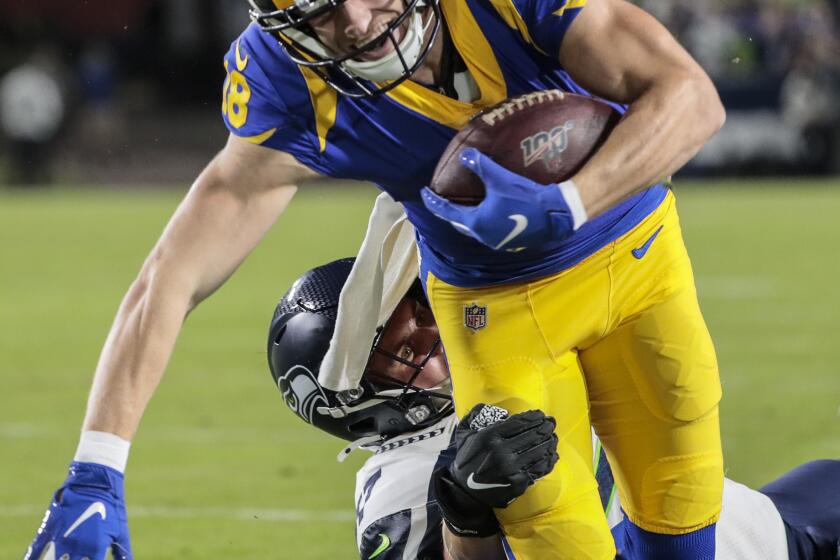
point(397, 516)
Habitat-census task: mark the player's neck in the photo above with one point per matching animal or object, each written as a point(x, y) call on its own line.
point(429, 72)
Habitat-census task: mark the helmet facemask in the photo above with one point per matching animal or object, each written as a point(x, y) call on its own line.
point(347, 72)
point(396, 407)
point(416, 398)
point(412, 401)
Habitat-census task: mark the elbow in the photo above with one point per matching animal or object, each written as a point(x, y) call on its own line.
point(715, 112)
point(709, 109)
point(695, 103)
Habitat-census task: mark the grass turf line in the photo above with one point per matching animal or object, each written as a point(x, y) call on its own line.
point(217, 436)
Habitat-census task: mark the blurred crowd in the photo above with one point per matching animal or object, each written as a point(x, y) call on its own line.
point(125, 82)
point(777, 66)
point(99, 82)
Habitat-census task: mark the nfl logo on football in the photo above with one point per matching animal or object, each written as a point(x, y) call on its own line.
point(475, 317)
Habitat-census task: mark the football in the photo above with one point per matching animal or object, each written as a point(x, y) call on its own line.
point(546, 136)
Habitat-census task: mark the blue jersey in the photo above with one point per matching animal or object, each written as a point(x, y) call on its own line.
point(510, 47)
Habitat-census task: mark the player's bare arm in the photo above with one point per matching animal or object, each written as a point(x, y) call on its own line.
point(459, 548)
point(231, 205)
point(229, 208)
point(621, 53)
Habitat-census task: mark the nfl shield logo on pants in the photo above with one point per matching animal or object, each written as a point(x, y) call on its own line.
point(475, 316)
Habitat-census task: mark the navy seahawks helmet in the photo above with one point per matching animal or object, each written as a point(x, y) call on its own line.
point(349, 73)
point(298, 339)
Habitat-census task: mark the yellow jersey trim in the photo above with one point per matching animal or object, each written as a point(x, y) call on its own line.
point(241, 63)
point(510, 13)
point(225, 87)
point(259, 138)
point(481, 62)
point(324, 101)
point(570, 5)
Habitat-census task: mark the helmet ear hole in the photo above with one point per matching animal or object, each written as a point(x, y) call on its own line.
point(279, 335)
point(364, 426)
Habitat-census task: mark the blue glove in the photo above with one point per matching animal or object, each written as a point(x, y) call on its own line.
point(517, 213)
point(87, 515)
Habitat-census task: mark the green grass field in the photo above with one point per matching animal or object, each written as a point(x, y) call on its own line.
point(219, 468)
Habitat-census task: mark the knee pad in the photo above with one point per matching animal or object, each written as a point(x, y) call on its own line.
point(679, 494)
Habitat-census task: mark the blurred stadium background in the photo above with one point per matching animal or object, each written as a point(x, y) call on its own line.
point(108, 111)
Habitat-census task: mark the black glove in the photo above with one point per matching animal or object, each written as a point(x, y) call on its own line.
point(498, 458)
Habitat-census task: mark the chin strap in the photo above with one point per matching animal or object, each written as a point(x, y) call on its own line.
point(361, 442)
point(346, 409)
point(415, 415)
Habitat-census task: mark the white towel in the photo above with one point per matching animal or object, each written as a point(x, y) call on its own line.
point(384, 270)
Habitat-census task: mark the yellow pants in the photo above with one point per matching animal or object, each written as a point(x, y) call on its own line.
point(618, 341)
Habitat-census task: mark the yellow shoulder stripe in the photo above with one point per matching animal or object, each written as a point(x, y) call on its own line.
point(324, 101)
point(324, 104)
point(570, 5)
point(479, 58)
point(259, 138)
point(507, 9)
point(241, 63)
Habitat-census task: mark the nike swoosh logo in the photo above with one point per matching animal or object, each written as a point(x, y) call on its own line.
point(520, 223)
point(641, 251)
point(459, 226)
point(480, 485)
point(383, 546)
point(93, 509)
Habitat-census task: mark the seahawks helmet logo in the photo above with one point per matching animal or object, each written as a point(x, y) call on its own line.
point(301, 391)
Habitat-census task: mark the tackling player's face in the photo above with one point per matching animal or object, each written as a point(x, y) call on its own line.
point(412, 334)
point(355, 23)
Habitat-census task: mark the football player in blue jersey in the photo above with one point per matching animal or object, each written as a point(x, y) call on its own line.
point(599, 305)
point(413, 497)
